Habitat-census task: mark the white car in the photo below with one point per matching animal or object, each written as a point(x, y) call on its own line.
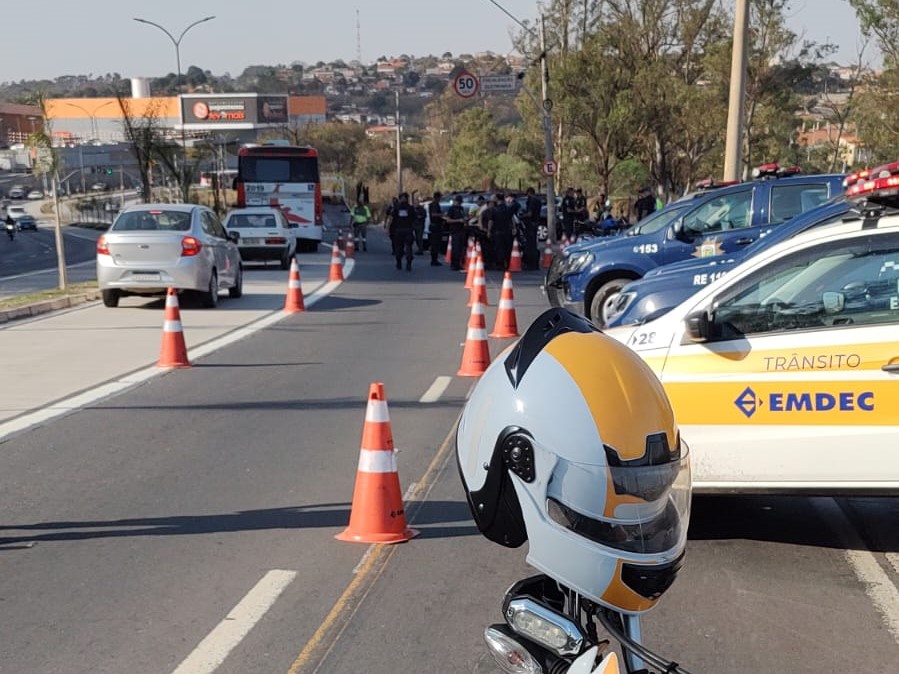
point(784, 374)
point(35, 195)
point(265, 234)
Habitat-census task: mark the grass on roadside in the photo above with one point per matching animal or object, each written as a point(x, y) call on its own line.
point(34, 298)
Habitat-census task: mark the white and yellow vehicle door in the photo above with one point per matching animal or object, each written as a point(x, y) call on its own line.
point(791, 380)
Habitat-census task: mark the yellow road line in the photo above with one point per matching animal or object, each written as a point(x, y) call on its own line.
point(326, 636)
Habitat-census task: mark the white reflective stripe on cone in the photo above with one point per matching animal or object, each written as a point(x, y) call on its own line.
point(171, 300)
point(476, 334)
point(506, 304)
point(171, 326)
point(377, 411)
point(377, 461)
point(294, 283)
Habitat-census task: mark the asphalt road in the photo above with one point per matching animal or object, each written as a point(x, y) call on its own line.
point(28, 263)
point(133, 530)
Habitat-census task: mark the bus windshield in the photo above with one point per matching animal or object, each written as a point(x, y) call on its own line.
point(279, 169)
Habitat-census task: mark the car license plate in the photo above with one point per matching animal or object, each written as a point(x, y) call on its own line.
point(146, 277)
point(251, 242)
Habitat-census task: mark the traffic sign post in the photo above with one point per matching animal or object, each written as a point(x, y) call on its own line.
point(499, 83)
point(466, 85)
point(549, 168)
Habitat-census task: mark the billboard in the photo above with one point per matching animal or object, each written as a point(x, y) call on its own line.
point(215, 110)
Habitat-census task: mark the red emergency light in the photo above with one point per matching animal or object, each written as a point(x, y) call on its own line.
point(710, 184)
point(882, 181)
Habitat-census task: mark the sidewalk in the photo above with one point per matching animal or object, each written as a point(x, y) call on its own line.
point(53, 357)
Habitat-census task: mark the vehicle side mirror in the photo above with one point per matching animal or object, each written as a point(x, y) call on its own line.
point(292, 225)
point(234, 236)
point(234, 183)
point(698, 326)
point(833, 302)
point(681, 233)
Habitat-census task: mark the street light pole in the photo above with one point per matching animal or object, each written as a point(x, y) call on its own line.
point(547, 137)
point(177, 43)
point(733, 153)
point(399, 152)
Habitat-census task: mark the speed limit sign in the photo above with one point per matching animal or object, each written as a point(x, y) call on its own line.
point(466, 84)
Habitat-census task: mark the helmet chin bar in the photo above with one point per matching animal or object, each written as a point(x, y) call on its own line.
point(548, 626)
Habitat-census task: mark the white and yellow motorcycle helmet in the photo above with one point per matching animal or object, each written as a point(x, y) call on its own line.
point(569, 442)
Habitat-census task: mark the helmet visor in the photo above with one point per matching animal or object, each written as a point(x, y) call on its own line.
point(662, 528)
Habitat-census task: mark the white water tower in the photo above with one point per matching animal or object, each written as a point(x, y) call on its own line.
point(140, 87)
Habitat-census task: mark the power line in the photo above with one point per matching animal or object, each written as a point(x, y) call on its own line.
point(512, 16)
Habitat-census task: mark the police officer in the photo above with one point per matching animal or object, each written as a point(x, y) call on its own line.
point(456, 218)
point(502, 226)
point(435, 236)
point(402, 224)
point(530, 254)
point(359, 219)
point(421, 216)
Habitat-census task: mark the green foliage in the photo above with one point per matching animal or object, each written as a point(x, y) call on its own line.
point(472, 157)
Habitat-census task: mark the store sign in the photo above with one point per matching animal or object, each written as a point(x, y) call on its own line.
point(224, 110)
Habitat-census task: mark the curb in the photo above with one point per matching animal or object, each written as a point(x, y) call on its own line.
point(46, 306)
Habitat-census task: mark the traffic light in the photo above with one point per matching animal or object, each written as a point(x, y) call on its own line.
point(108, 171)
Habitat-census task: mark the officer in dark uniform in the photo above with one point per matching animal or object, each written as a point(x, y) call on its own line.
point(502, 227)
point(435, 236)
point(530, 254)
point(402, 227)
point(456, 219)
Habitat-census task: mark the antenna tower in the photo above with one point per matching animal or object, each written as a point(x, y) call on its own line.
point(358, 39)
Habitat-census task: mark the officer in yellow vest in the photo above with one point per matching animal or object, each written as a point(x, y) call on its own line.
point(360, 218)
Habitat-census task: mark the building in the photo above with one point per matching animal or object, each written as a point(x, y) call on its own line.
point(829, 137)
point(17, 122)
point(243, 116)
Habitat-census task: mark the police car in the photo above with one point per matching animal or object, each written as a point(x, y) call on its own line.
point(587, 278)
point(663, 288)
point(784, 374)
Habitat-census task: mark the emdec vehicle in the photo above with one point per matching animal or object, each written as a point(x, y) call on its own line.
point(784, 374)
point(586, 278)
point(285, 177)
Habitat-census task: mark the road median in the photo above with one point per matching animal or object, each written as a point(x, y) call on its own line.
point(35, 304)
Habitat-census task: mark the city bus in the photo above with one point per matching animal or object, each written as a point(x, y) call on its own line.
point(286, 177)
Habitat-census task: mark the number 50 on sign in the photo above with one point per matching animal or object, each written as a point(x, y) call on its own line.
point(466, 84)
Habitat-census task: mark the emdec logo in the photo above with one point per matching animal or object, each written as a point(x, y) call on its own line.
point(845, 401)
point(747, 402)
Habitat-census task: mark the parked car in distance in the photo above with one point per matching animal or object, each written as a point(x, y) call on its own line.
point(35, 195)
point(98, 187)
point(265, 234)
point(17, 192)
point(152, 247)
point(15, 212)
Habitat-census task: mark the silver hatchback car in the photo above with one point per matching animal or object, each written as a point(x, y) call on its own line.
point(152, 247)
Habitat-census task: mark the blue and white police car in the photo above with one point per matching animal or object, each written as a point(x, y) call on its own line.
point(588, 277)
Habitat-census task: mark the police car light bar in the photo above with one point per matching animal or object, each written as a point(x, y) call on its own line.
point(853, 178)
point(710, 184)
point(881, 181)
point(765, 170)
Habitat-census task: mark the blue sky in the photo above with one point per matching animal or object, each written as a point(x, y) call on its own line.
point(99, 36)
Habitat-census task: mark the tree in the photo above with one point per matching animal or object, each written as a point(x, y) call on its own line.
point(475, 146)
point(143, 134)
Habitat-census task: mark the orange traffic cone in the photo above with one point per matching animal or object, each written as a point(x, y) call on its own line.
point(174, 350)
point(515, 260)
point(506, 321)
point(336, 271)
point(377, 514)
point(476, 355)
point(448, 258)
point(470, 265)
point(479, 285)
point(294, 302)
point(350, 245)
point(547, 256)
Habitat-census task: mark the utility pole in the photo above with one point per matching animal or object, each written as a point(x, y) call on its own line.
point(547, 136)
point(733, 153)
point(57, 232)
point(399, 152)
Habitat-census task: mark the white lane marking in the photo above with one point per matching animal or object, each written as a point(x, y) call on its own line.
point(882, 592)
point(109, 389)
point(432, 395)
point(46, 271)
point(893, 559)
point(212, 651)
